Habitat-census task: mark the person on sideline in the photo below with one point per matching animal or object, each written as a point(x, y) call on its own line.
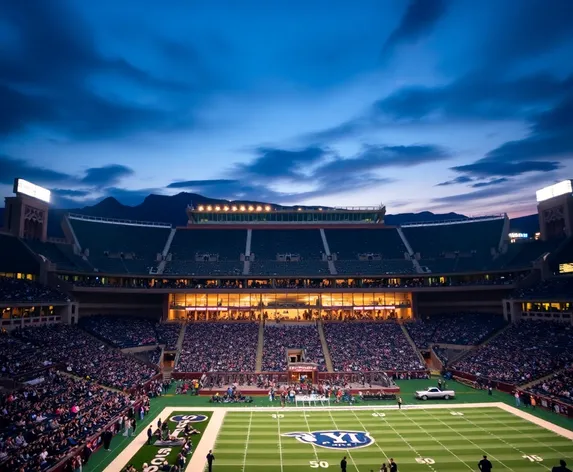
point(343, 464)
point(399, 403)
point(485, 465)
point(393, 465)
point(562, 467)
point(210, 459)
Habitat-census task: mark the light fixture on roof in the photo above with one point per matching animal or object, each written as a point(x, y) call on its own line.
point(259, 208)
point(209, 207)
point(267, 208)
point(234, 208)
point(217, 208)
point(243, 208)
point(226, 208)
point(201, 208)
point(300, 209)
point(251, 208)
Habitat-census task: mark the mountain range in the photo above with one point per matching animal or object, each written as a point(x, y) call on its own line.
point(171, 209)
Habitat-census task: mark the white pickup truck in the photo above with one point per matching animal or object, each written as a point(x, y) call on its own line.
point(434, 392)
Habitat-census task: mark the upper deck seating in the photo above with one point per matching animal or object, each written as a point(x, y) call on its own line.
point(349, 244)
point(280, 337)
point(190, 244)
point(121, 331)
point(302, 244)
point(550, 289)
point(454, 328)
point(27, 291)
point(60, 254)
point(219, 347)
point(15, 257)
point(364, 346)
point(522, 254)
point(522, 353)
point(140, 245)
point(559, 386)
point(468, 244)
point(168, 334)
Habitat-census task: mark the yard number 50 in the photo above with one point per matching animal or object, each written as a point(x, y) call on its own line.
point(318, 465)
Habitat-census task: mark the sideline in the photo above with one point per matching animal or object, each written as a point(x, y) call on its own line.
point(198, 459)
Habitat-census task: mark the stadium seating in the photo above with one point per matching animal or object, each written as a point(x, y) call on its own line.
point(551, 289)
point(522, 254)
point(219, 347)
point(40, 423)
point(140, 245)
point(364, 346)
point(15, 257)
point(60, 254)
point(267, 244)
point(17, 357)
point(279, 337)
point(27, 291)
point(348, 244)
point(468, 243)
point(121, 332)
point(86, 357)
point(227, 244)
point(445, 355)
point(168, 334)
point(559, 386)
point(522, 353)
point(459, 328)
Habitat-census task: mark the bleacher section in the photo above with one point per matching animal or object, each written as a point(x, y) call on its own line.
point(15, 257)
point(108, 240)
point(300, 250)
point(456, 247)
point(522, 254)
point(60, 254)
point(385, 244)
point(225, 244)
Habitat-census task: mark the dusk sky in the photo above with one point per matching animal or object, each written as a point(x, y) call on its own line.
point(421, 105)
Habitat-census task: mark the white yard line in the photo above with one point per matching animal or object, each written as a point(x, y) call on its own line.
point(469, 440)
point(309, 430)
point(501, 439)
point(412, 448)
point(438, 441)
point(207, 442)
point(538, 421)
point(247, 441)
point(280, 441)
point(347, 450)
point(377, 445)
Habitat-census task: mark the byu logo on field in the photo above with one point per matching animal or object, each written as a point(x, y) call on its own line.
point(188, 418)
point(334, 439)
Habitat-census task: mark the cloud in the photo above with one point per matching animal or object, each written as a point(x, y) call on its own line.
point(48, 76)
point(487, 168)
point(462, 179)
point(11, 168)
point(62, 192)
point(490, 183)
point(106, 175)
point(420, 18)
point(202, 183)
point(281, 163)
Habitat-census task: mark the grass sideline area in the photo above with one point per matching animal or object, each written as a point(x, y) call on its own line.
point(464, 394)
point(176, 420)
point(433, 439)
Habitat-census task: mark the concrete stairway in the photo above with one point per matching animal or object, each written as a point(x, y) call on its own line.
point(413, 344)
point(180, 342)
point(325, 350)
point(259, 361)
point(331, 266)
point(535, 382)
point(487, 340)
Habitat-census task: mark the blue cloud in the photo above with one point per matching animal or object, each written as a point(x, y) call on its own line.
point(420, 18)
point(488, 168)
point(490, 183)
point(106, 176)
point(11, 168)
point(462, 179)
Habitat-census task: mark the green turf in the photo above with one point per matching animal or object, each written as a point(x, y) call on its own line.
point(101, 459)
point(148, 453)
point(418, 440)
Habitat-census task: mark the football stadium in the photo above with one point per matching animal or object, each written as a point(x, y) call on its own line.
point(267, 338)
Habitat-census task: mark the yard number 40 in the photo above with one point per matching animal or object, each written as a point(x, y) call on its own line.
point(318, 465)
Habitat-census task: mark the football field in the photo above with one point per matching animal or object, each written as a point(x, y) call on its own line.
point(433, 439)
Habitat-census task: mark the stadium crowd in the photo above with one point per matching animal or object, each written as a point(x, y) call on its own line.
point(168, 334)
point(522, 353)
point(279, 337)
point(459, 328)
point(85, 356)
point(27, 291)
point(559, 386)
point(367, 346)
point(559, 287)
point(121, 331)
point(212, 347)
point(41, 423)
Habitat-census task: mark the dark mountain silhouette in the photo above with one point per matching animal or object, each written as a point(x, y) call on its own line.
point(171, 209)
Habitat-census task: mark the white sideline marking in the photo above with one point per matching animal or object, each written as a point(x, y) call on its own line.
point(246, 442)
point(209, 437)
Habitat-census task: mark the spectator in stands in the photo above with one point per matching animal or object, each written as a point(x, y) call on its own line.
point(280, 337)
point(27, 291)
point(121, 332)
point(364, 346)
